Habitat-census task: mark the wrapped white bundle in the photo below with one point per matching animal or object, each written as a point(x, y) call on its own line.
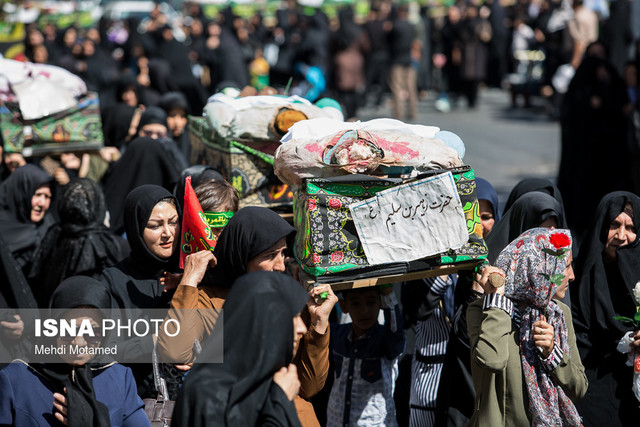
point(259, 117)
point(41, 90)
point(321, 148)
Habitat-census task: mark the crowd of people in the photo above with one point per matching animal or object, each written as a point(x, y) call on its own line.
point(288, 358)
point(534, 47)
point(103, 231)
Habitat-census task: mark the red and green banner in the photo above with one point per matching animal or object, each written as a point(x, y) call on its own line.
point(196, 232)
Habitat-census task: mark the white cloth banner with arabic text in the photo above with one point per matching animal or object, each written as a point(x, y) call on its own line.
point(411, 221)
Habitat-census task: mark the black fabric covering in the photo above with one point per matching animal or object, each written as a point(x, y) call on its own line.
point(20, 234)
point(251, 231)
point(601, 291)
point(79, 244)
point(15, 293)
point(146, 161)
point(528, 185)
point(116, 122)
point(14, 288)
point(258, 341)
point(597, 131)
point(83, 408)
point(529, 211)
point(153, 115)
point(171, 100)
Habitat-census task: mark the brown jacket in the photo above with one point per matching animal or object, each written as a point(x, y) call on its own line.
point(312, 359)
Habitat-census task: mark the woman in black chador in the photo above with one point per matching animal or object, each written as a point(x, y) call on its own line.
point(597, 142)
point(152, 224)
point(80, 244)
point(255, 384)
point(607, 270)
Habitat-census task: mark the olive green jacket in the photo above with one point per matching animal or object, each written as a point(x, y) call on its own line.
point(501, 393)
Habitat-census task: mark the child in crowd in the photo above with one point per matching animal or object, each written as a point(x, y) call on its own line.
point(365, 359)
point(176, 106)
point(219, 201)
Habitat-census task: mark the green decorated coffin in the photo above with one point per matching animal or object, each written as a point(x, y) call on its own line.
point(247, 165)
point(77, 129)
point(327, 242)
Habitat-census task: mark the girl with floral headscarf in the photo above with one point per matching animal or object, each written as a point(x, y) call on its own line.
point(521, 332)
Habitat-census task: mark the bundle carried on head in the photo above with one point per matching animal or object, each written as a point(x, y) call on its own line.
point(324, 147)
point(264, 118)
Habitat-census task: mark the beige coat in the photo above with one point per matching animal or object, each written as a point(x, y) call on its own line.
point(501, 396)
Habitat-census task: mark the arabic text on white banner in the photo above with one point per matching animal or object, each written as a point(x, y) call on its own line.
point(411, 221)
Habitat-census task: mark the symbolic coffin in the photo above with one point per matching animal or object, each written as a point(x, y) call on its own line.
point(329, 244)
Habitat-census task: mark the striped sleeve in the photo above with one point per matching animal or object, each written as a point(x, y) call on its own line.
point(498, 301)
point(554, 359)
point(439, 285)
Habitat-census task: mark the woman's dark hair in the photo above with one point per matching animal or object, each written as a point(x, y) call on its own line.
point(170, 200)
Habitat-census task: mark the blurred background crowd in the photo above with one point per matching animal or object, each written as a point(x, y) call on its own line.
point(134, 51)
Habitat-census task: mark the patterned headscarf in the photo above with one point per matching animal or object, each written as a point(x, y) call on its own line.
point(529, 264)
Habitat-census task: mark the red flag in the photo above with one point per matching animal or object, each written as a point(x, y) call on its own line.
point(196, 234)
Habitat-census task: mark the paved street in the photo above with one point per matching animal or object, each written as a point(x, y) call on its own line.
point(503, 144)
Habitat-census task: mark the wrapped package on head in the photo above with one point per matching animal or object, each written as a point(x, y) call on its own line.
point(264, 118)
point(322, 147)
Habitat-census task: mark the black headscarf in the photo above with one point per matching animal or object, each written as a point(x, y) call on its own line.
point(116, 122)
point(529, 211)
point(198, 174)
point(146, 161)
point(258, 327)
point(605, 290)
point(171, 100)
point(137, 210)
point(528, 185)
point(19, 233)
point(251, 231)
point(153, 115)
point(168, 102)
point(83, 408)
point(79, 245)
point(124, 83)
point(601, 291)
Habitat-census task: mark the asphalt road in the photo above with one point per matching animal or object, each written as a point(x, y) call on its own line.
point(502, 144)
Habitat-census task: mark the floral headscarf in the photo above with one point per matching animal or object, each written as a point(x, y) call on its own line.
point(533, 265)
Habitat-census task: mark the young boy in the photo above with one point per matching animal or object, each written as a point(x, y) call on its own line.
point(219, 201)
point(365, 357)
